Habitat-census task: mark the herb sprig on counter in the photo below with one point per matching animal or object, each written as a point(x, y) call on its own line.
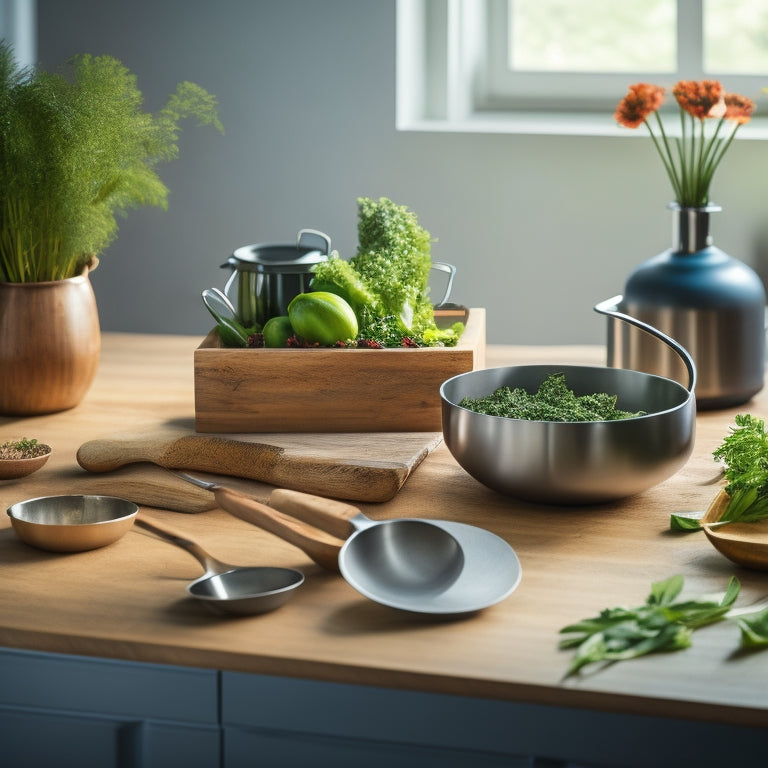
point(663, 624)
point(553, 401)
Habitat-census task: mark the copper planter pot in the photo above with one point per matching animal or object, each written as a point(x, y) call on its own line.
point(50, 342)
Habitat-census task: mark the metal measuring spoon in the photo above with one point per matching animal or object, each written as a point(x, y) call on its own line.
point(229, 588)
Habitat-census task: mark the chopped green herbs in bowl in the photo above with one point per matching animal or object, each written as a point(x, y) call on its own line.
point(552, 401)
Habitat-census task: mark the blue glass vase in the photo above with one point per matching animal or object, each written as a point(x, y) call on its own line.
point(711, 303)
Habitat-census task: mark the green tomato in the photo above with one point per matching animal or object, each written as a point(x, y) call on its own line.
point(277, 330)
point(322, 317)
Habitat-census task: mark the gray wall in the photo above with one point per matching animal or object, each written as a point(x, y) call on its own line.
point(539, 227)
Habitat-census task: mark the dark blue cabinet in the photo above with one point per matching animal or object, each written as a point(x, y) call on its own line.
point(58, 710)
point(96, 713)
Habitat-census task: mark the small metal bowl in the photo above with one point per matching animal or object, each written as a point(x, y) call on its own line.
point(574, 462)
point(72, 523)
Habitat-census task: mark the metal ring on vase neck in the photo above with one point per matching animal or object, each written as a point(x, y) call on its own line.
point(690, 227)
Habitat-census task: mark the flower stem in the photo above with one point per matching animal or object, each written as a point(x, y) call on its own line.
point(666, 155)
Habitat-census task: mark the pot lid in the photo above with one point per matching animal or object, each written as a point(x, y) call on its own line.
point(266, 257)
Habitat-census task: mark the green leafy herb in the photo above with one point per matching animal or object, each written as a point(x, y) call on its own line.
point(553, 401)
point(76, 149)
point(744, 452)
point(25, 448)
point(754, 629)
point(683, 522)
point(385, 282)
point(662, 624)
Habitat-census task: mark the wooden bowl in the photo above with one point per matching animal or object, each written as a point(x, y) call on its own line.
point(10, 469)
point(743, 543)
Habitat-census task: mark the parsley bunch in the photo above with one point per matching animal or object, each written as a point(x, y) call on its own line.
point(744, 453)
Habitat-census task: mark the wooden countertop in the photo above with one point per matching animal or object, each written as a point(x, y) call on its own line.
point(127, 601)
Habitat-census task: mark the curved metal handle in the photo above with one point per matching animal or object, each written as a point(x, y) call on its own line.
point(316, 233)
point(609, 307)
point(218, 304)
point(451, 270)
point(231, 279)
point(213, 567)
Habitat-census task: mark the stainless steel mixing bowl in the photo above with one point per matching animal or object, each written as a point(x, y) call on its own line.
point(575, 462)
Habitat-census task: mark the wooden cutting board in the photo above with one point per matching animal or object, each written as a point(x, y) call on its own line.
point(143, 484)
point(368, 467)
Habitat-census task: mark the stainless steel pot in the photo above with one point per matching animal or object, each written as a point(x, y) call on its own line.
point(718, 339)
point(266, 276)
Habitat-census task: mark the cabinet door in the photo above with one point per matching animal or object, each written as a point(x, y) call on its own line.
point(285, 749)
point(344, 725)
point(55, 739)
point(52, 740)
point(58, 710)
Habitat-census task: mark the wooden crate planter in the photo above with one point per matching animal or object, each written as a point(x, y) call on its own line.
point(329, 390)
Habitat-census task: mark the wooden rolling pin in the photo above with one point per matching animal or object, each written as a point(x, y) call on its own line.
point(354, 479)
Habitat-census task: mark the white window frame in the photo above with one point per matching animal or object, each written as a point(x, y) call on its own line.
point(18, 26)
point(450, 79)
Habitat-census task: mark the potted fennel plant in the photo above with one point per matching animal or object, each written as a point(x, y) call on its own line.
point(76, 149)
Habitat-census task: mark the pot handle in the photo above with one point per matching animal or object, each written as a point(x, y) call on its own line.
point(231, 263)
point(303, 234)
point(441, 266)
point(610, 307)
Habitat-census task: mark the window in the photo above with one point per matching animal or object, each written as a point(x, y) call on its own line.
point(17, 27)
point(563, 65)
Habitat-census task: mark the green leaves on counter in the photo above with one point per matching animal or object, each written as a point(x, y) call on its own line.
point(683, 522)
point(754, 629)
point(663, 623)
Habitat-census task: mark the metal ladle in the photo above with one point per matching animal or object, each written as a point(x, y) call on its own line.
point(402, 563)
point(229, 588)
point(490, 572)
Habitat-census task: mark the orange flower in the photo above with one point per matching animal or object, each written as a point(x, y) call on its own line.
point(691, 157)
point(738, 108)
point(641, 101)
point(701, 99)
